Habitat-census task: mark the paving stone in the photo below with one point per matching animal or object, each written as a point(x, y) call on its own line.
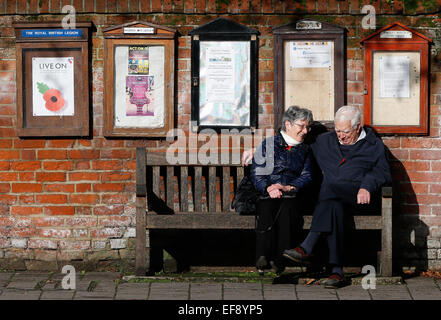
point(57, 295)
point(27, 281)
point(132, 291)
point(205, 291)
point(315, 292)
point(14, 294)
point(279, 292)
point(423, 288)
point(243, 291)
point(169, 291)
point(86, 295)
point(353, 292)
point(390, 292)
point(4, 278)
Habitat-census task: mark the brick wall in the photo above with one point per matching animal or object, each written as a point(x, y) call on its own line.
point(72, 200)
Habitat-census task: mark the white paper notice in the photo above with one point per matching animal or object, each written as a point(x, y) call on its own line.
point(53, 86)
point(394, 77)
point(310, 54)
point(220, 74)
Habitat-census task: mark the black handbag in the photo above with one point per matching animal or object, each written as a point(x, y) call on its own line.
point(245, 197)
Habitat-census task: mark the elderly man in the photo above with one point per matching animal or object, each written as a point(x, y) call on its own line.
point(354, 167)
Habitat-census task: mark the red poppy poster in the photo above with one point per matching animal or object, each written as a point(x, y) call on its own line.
point(53, 86)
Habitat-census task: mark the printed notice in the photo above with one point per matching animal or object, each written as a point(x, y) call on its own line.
point(138, 60)
point(53, 86)
point(139, 96)
point(220, 74)
point(311, 54)
point(394, 77)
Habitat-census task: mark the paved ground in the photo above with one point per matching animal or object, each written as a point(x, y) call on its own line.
point(110, 286)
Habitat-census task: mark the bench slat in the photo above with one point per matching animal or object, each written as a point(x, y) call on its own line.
point(160, 159)
point(170, 188)
point(184, 189)
point(228, 220)
point(197, 189)
point(211, 189)
point(156, 180)
point(226, 202)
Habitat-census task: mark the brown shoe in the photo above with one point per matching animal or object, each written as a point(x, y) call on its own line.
point(298, 255)
point(335, 281)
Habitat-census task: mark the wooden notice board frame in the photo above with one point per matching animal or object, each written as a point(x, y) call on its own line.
point(308, 31)
point(61, 114)
point(392, 42)
point(241, 112)
point(160, 42)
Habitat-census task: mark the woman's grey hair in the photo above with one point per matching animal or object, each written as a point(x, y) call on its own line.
point(294, 113)
point(351, 113)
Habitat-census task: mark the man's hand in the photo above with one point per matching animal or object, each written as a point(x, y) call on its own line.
point(247, 156)
point(363, 196)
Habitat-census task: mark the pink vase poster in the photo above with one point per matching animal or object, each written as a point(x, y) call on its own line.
point(139, 95)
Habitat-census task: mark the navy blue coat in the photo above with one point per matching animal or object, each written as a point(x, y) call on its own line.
point(289, 166)
point(364, 165)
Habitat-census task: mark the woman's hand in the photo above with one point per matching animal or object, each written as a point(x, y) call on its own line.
point(247, 156)
point(275, 190)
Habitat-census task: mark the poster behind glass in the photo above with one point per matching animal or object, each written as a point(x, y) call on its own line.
point(224, 96)
point(139, 86)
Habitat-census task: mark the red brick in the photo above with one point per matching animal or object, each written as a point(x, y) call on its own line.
point(8, 176)
point(60, 143)
point(4, 165)
point(116, 221)
point(107, 165)
point(7, 132)
point(416, 165)
point(47, 221)
point(50, 176)
point(26, 199)
point(5, 187)
point(116, 154)
point(43, 6)
point(87, 176)
point(7, 76)
point(59, 210)
point(108, 187)
point(78, 5)
point(7, 199)
point(9, 154)
point(58, 165)
point(54, 6)
point(52, 154)
point(75, 245)
point(416, 176)
point(7, 222)
point(156, 6)
point(84, 198)
point(425, 154)
point(23, 233)
point(83, 187)
point(68, 188)
point(52, 198)
point(100, 6)
point(114, 176)
point(116, 198)
point(54, 233)
point(106, 233)
point(267, 6)
point(26, 166)
point(108, 210)
point(89, 6)
point(145, 6)
point(26, 176)
point(26, 187)
point(6, 122)
point(81, 222)
point(22, 210)
point(42, 244)
point(435, 188)
point(84, 154)
point(6, 98)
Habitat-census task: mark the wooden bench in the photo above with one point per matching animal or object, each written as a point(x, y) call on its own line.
point(198, 196)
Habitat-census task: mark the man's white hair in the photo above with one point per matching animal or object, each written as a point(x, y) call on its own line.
point(346, 113)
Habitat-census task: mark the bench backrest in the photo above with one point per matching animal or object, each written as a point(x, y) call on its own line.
point(188, 185)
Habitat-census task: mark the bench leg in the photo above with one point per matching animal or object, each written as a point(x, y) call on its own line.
point(386, 238)
point(140, 250)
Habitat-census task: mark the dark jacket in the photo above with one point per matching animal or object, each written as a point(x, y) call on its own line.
point(364, 165)
point(285, 165)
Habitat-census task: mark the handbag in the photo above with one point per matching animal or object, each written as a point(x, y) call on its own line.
point(245, 197)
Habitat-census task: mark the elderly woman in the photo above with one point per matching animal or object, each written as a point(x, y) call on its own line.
point(281, 167)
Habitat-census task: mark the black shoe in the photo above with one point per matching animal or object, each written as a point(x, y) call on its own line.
point(298, 255)
point(261, 264)
point(335, 281)
point(277, 269)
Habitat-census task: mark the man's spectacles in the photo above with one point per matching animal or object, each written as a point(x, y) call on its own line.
point(302, 126)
